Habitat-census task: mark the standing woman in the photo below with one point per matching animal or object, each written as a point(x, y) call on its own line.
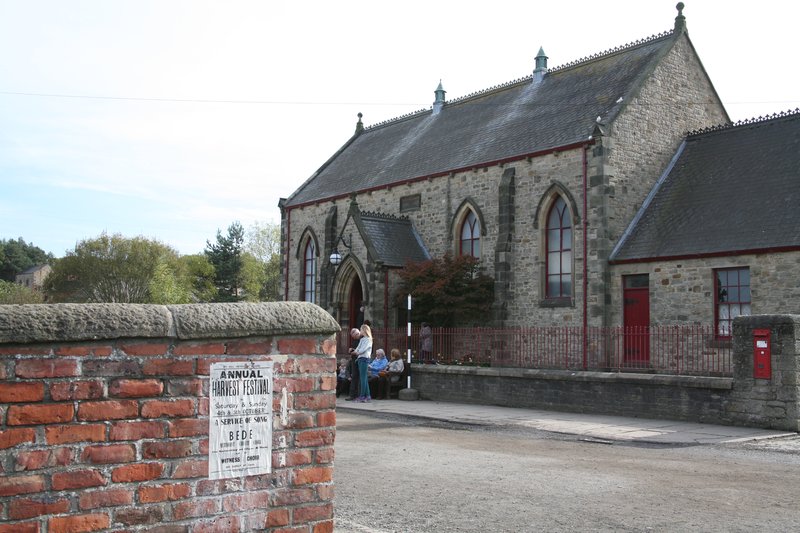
point(363, 353)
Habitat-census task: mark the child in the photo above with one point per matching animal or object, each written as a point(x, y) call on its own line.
point(342, 378)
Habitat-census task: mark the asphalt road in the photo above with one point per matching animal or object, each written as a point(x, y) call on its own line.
point(396, 475)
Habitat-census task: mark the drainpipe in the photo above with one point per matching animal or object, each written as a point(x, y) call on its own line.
point(386, 308)
point(585, 259)
point(288, 252)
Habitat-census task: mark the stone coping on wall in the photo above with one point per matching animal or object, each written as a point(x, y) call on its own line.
point(37, 323)
point(705, 382)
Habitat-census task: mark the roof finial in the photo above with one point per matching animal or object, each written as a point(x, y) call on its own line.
point(541, 65)
point(680, 20)
point(359, 124)
point(438, 103)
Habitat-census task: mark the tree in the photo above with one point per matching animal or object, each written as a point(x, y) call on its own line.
point(200, 275)
point(17, 256)
point(226, 257)
point(264, 242)
point(253, 277)
point(166, 288)
point(119, 270)
point(13, 293)
point(447, 291)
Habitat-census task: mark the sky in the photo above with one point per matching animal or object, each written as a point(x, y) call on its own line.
point(171, 119)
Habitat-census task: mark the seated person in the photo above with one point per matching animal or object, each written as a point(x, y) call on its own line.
point(395, 367)
point(392, 374)
point(377, 364)
point(343, 378)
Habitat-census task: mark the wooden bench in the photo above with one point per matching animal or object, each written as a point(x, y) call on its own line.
point(394, 388)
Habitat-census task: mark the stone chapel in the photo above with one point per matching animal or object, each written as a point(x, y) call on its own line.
point(612, 190)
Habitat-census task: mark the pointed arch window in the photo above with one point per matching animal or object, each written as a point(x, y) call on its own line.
point(470, 235)
point(559, 251)
point(309, 272)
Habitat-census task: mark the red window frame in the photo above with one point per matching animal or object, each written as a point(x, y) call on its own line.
point(558, 251)
point(309, 272)
point(732, 298)
point(470, 243)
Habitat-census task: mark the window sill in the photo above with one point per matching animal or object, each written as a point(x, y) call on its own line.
point(551, 303)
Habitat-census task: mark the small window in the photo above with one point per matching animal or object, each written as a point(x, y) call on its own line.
point(309, 272)
point(732, 289)
point(636, 281)
point(559, 251)
point(470, 236)
point(410, 203)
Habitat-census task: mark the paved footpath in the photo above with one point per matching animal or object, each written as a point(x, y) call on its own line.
point(614, 428)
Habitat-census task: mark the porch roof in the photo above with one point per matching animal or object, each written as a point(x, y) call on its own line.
point(393, 240)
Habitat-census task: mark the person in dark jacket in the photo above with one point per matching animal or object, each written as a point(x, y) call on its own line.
point(355, 336)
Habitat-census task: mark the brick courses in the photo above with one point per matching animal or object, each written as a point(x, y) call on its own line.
point(112, 434)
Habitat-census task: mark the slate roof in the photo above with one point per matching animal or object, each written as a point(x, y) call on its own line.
point(32, 270)
point(394, 240)
point(733, 188)
point(506, 122)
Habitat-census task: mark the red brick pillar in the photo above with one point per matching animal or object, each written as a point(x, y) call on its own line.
point(104, 418)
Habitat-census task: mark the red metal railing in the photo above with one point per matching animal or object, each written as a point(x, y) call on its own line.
point(677, 349)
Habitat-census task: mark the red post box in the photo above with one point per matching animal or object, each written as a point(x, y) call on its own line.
point(762, 354)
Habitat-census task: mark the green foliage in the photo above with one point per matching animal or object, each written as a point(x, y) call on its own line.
point(17, 256)
point(12, 293)
point(167, 288)
point(447, 291)
point(200, 275)
point(246, 265)
point(253, 276)
point(271, 292)
point(263, 241)
point(117, 269)
point(226, 257)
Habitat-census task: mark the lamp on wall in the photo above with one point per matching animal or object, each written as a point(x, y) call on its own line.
point(336, 257)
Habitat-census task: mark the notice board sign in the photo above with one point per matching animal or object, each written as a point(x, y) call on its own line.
point(240, 431)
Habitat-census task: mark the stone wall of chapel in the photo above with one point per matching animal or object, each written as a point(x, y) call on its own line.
point(683, 291)
point(440, 199)
point(299, 220)
point(533, 180)
point(675, 99)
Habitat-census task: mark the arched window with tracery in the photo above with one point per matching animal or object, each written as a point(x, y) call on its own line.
point(559, 251)
point(470, 236)
point(309, 272)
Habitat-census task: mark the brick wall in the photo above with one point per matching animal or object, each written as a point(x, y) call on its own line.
point(104, 415)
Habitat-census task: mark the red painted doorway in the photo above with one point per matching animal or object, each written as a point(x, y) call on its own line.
point(636, 319)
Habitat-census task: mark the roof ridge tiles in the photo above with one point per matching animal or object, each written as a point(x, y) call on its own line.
point(611, 51)
point(396, 119)
point(384, 216)
point(505, 85)
point(743, 122)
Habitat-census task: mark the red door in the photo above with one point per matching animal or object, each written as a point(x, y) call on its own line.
point(636, 316)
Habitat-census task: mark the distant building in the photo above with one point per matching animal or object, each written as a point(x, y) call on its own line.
point(579, 188)
point(33, 277)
